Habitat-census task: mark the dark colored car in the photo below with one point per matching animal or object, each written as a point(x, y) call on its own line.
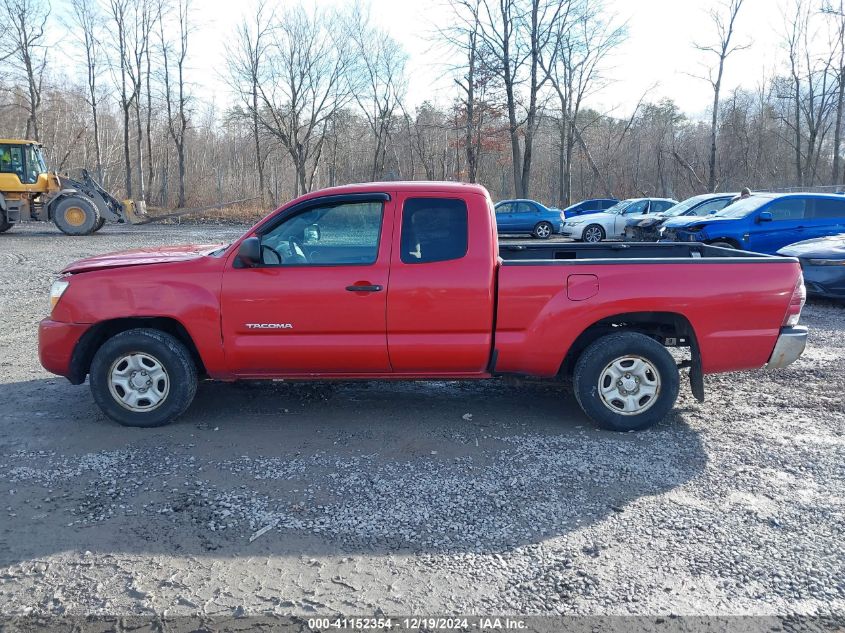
point(593, 205)
point(528, 217)
point(763, 223)
point(823, 262)
point(647, 229)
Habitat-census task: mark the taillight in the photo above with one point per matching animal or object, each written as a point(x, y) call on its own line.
point(796, 303)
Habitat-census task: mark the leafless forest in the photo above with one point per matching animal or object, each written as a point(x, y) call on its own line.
point(320, 99)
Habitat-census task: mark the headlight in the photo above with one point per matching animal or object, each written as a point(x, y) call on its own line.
point(57, 290)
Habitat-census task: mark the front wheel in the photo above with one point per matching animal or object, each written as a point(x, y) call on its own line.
point(76, 215)
point(626, 381)
point(543, 230)
point(4, 224)
point(100, 223)
point(723, 245)
point(593, 233)
point(143, 378)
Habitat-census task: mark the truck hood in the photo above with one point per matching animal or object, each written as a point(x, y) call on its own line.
point(142, 256)
point(829, 247)
point(684, 221)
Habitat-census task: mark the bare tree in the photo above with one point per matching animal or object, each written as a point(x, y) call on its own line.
point(304, 83)
point(246, 57)
point(87, 23)
point(583, 37)
point(836, 10)
point(724, 20)
point(379, 84)
point(120, 14)
point(177, 104)
point(25, 44)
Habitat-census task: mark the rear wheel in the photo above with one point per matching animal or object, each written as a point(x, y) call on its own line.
point(593, 233)
point(76, 215)
point(143, 378)
point(99, 224)
point(4, 224)
point(543, 230)
point(626, 381)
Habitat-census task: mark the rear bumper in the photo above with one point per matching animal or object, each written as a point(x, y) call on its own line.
point(790, 345)
point(56, 344)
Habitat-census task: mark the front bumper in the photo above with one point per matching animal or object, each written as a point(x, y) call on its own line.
point(790, 345)
point(574, 232)
point(824, 281)
point(56, 344)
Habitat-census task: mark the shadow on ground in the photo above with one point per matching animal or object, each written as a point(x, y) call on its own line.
point(430, 467)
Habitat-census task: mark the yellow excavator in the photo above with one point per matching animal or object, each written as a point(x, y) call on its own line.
point(29, 191)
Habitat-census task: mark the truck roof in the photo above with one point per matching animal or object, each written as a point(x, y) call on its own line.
point(421, 186)
point(18, 141)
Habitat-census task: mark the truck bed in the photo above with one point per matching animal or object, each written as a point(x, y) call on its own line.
point(734, 301)
point(622, 252)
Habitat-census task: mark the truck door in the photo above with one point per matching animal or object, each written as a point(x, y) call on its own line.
point(317, 302)
point(441, 296)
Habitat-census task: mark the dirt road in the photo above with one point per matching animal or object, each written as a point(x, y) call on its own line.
point(418, 498)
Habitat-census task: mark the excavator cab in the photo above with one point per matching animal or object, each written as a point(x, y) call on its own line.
point(29, 191)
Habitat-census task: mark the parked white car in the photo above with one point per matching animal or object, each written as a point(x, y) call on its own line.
point(610, 225)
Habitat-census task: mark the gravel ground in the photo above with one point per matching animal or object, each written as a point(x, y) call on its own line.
point(411, 498)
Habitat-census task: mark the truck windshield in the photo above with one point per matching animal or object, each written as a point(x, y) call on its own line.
point(741, 208)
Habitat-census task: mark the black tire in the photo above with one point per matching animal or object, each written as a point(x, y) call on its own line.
point(174, 358)
point(75, 215)
point(4, 225)
point(100, 223)
point(596, 360)
point(543, 230)
point(591, 229)
point(723, 244)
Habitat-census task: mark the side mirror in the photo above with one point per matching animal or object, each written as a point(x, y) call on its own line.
point(250, 251)
point(765, 216)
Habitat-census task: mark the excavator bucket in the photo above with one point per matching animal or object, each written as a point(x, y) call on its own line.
point(135, 211)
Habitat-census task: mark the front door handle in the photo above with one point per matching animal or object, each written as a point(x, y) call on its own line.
point(364, 288)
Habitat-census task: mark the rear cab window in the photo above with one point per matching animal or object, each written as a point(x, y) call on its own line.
point(434, 230)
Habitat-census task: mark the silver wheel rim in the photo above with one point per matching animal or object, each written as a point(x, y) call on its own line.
point(592, 234)
point(629, 385)
point(543, 230)
point(138, 382)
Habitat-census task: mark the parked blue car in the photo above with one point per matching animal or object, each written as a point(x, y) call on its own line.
point(529, 217)
point(763, 223)
point(823, 264)
point(593, 205)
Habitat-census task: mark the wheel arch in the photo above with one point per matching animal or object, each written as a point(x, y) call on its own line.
point(657, 325)
point(729, 240)
point(99, 333)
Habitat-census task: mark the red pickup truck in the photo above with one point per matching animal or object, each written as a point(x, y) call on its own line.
point(409, 281)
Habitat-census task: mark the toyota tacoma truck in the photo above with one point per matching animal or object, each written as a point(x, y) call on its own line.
point(409, 281)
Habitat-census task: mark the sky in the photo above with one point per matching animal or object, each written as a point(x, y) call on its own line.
point(658, 56)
